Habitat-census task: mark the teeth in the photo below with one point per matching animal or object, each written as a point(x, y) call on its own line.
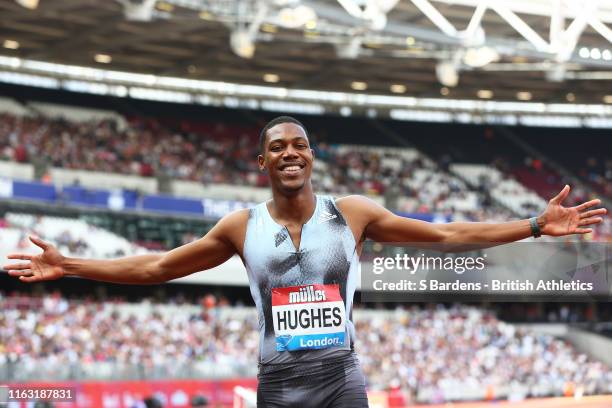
point(292, 168)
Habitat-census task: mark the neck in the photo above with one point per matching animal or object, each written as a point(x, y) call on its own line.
point(297, 207)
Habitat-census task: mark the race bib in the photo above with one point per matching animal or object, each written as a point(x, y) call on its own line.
point(308, 317)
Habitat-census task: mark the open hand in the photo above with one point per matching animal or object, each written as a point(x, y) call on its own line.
point(41, 267)
point(558, 220)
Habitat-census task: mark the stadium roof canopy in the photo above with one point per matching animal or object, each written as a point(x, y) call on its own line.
point(538, 50)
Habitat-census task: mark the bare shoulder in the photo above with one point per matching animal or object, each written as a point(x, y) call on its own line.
point(232, 228)
point(357, 204)
point(235, 219)
point(359, 212)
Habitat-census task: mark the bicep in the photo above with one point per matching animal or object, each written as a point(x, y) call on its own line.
point(207, 252)
point(385, 226)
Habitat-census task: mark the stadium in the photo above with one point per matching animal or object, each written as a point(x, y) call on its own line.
point(129, 128)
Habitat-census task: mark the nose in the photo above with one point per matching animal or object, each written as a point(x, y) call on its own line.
point(290, 151)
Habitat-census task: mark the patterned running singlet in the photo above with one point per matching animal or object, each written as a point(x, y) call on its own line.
point(304, 297)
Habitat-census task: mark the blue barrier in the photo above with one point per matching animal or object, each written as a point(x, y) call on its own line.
point(82, 196)
point(172, 204)
point(118, 200)
point(115, 200)
point(34, 191)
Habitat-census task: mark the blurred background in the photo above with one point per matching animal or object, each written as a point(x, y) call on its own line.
point(131, 126)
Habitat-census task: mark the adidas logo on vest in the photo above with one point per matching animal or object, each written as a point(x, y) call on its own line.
point(326, 216)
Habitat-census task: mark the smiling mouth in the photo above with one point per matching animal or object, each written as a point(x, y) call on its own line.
point(291, 169)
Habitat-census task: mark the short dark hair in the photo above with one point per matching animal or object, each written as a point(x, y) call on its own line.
point(277, 121)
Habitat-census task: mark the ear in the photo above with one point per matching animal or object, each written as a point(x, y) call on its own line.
point(261, 162)
point(313, 155)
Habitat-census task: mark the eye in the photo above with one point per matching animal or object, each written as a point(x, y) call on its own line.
point(275, 148)
point(301, 146)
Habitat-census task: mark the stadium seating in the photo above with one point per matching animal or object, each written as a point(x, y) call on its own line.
point(8, 105)
point(75, 114)
point(503, 189)
point(208, 162)
point(73, 237)
point(437, 354)
point(98, 148)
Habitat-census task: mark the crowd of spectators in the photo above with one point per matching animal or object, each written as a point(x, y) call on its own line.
point(599, 173)
point(54, 332)
point(211, 153)
point(415, 350)
point(219, 153)
point(467, 347)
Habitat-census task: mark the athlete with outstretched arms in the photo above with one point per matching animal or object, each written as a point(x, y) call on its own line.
point(301, 253)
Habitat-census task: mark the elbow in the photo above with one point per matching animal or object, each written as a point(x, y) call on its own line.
point(444, 235)
point(156, 272)
point(448, 240)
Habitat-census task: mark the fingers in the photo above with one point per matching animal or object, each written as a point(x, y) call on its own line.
point(23, 265)
point(561, 196)
point(18, 266)
point(39, 242)
point(583, 231)
point(590, 221)
point(30, 279)
point(19, 273)
point(25, 257)
point(588, 204)
point(592, 213)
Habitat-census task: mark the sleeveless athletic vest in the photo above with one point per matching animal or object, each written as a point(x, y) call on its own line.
point(304, 297)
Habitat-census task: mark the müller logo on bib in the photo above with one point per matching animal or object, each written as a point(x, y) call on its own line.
point(308, 317)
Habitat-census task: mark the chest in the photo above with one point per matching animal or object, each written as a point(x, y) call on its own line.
point(295, 234)
point(319, 251)
point(299, 255)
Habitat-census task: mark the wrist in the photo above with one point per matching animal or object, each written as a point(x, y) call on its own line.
point(534, 225)
point(67, 266)
point(541, 220)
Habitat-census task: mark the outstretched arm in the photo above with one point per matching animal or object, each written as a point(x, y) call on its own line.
point(379, 224)
point(213, 249)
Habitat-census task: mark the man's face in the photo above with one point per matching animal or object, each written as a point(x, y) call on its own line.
point(287, 157)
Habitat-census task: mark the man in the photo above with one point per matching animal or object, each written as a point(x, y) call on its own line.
point(301, 253)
